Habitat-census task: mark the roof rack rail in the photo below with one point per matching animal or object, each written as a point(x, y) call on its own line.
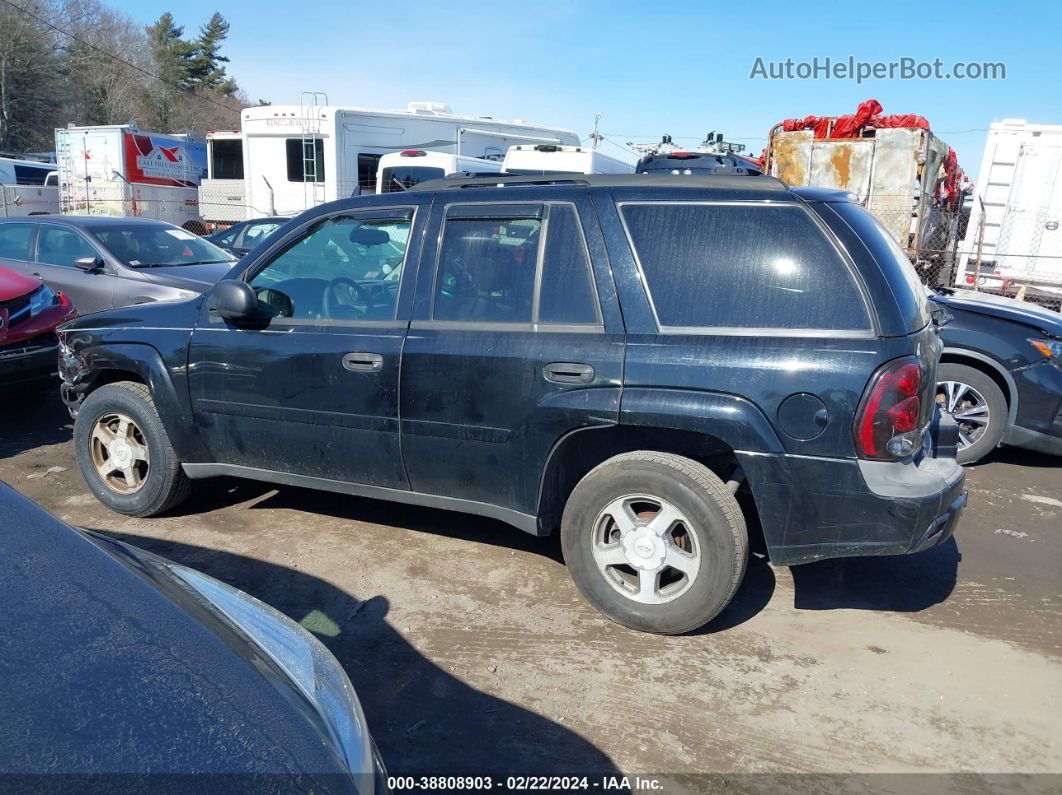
point(731, 180)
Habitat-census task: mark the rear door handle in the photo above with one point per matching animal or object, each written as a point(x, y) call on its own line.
point(363, 362)
point(568, 373)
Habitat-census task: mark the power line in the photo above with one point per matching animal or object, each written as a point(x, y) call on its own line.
point(111, 55)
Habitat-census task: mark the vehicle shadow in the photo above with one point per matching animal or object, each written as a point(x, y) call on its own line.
point(1019, 457)
point(424, 720)
point(898, 583)
point(32, 417)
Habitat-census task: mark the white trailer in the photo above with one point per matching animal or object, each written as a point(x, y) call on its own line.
point(27, 187)
point(298, 156)
point(1014, 239)
point(121, 171)
point(222, 201)
point(400, 171)
point(544, 159)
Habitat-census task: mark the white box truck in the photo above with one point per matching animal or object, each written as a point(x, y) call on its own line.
point(1014, 239)
point(27, 187)
point(546, 159)
point(222, 201)
point(400, 171)
point(120, 170)
point(298, 156)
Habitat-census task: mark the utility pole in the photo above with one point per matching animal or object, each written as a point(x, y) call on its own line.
point(595, 136)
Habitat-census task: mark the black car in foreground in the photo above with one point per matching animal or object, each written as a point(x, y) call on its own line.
point(1000, 374)
point(120, 670)
point(644, 361)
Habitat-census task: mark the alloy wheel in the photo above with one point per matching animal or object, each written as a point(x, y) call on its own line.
point(967, 407)
point(120, 453)
point(646, 549)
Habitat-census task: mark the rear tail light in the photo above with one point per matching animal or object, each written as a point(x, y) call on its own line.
point(887, 423)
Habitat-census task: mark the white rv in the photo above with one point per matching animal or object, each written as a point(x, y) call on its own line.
point(544, 159)
point(27, 187)
point(1015, 228)
point(123, 171)
point(400, 171)
point(298, 156)
point(221, 193)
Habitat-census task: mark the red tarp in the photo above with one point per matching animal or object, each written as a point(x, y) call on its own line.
point(851, 125)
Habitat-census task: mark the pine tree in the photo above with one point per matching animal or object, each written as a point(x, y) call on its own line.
point(207, 70)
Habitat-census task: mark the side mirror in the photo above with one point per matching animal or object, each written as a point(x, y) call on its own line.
point(235, 300)
point(89, 264)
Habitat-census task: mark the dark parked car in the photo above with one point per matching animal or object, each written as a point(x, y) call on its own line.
point(29, 314)
point(117, 661)
point(105, 263)
point(1001, 373)
point(693, 163)
point(619, 356)
point(240, 238)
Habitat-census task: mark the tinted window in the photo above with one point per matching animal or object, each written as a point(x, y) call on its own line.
point(58, 246)
point(402, 178)
point(299, 157)
point(14, 241)
point(745, 266)
point(567, 293)
point(145, 245)
point(341, 268)
point(256, 233)
point(487, 269)
point(226, 159)
point(32, 175)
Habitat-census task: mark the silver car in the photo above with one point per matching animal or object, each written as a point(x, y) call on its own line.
point(107, 263)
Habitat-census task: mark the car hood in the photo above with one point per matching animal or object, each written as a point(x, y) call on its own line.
point(14, 284)
point(1002, 307)
point(199, 278)
point(112, 665)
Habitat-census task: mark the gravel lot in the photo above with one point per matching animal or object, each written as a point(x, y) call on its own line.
point(473, 652)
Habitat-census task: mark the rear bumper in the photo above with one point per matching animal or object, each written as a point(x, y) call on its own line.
point(814, 508)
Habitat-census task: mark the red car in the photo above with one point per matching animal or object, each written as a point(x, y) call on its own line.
point(29, 313)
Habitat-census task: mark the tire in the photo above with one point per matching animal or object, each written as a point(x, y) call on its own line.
point(975, 396)
point(706, 525)
point(157, 483)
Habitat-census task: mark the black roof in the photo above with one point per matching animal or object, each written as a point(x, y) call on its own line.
point(725, 181)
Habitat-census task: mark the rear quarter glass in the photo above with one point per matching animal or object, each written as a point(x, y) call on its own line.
point(743, 266)
point(895, 266)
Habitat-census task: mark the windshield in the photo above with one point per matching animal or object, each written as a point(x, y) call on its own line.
point(150, 246)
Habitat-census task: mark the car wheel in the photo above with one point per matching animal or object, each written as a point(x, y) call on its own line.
point(655, 541)
point(124, 453)
point(977, 404)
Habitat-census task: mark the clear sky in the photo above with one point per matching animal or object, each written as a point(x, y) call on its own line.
point(649, 68)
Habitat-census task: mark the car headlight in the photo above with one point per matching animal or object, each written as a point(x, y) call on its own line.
point(1052, 349)
point(305, 660)
point(42, 298)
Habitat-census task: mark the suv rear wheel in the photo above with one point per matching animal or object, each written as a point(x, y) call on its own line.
point(655, 541)
point(124, 453)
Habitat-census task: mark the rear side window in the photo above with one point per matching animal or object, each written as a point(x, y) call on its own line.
point(487, 269)
point(15, 240)
point(400, 178)
point(734, 266)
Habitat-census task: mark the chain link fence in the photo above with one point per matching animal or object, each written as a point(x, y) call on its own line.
point(944, 250)
point(22, 200)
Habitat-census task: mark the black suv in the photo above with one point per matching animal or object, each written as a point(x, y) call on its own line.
point(628, 358)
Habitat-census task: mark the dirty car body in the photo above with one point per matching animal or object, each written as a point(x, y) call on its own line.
point(118, 662)
point(511, 395)
point(29, 315)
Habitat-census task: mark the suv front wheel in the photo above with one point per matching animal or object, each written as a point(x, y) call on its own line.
point(124, 453)
point(655, 541)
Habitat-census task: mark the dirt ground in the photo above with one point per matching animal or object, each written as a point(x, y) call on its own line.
point(472, 651)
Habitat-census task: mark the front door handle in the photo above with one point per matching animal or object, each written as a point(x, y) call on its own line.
point(568, 373)
point(363, 362)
